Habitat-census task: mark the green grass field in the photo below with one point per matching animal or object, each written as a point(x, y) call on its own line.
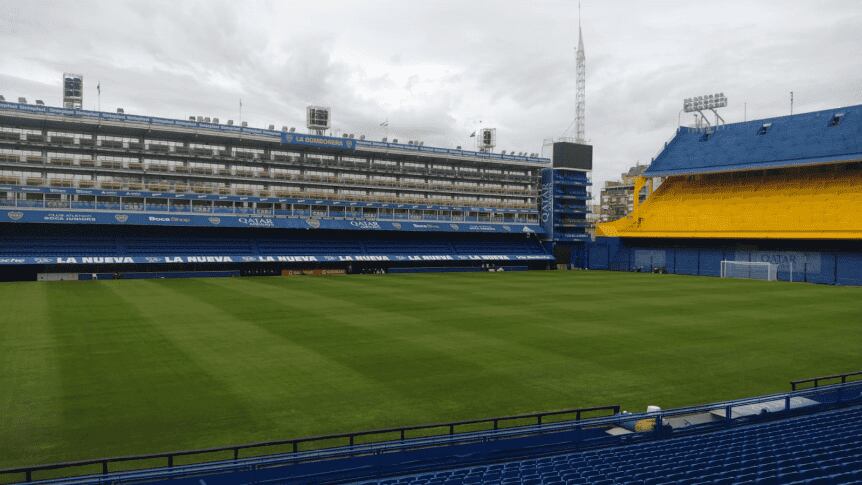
point(91, 369)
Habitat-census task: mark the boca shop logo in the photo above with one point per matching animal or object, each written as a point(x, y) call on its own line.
point(214, 221)
point(121, 217)
point(15, 215)
point(313, 223)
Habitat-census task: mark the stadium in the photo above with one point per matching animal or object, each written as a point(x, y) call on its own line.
point(189, 300)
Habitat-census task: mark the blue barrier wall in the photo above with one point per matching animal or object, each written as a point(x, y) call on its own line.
point(142, 275)
point(824, 262)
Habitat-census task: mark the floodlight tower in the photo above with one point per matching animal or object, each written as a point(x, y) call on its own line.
point(487, 139)
point(698, 104)
point(73, 90)
point(317, 119)
point(581, 95)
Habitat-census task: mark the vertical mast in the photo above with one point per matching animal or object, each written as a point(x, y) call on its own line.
point(581, 96)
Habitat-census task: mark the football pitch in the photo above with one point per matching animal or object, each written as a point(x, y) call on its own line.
point(93, 369)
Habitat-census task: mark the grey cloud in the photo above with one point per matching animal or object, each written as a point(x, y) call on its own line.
point(434, 69)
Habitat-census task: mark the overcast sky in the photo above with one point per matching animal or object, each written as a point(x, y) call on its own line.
point(436, 69)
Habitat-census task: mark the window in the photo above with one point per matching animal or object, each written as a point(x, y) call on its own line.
point(836, 119)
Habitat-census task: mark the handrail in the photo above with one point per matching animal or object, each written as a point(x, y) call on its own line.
point(820, 398)
point(816, 380)
point(295, 443)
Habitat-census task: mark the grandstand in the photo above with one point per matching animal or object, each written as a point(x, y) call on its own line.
point(117, 192)
point(783, 190)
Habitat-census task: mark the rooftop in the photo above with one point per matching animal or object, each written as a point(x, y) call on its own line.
point(819, 137)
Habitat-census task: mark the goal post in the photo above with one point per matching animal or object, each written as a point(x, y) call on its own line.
point(755, 270)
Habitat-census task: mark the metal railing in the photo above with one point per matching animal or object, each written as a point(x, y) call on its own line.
point(294, 446)
point(830, 379)
point(558, 436)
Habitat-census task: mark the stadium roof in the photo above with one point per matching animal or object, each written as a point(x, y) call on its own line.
point(828, 136)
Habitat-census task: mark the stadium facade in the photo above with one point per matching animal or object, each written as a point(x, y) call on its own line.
point(785, 190)
point(94, 192)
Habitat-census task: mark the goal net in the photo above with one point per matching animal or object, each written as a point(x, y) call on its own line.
point(751, 270)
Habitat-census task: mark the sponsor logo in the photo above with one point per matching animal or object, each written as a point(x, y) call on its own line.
point(199, 259)
point(12, 261)
point(547, 199)
point(152, 259)
point(257, 221)
point(365, 224)
point(508, 228)
point(107, 260)
point(455, 227)
point(364, 258)
point(43, 260)
point(248, 258)
point(296, 259)
point(214, 221)
point(433, 257)
point(396, 225)
point(526, 229)
point(313, 223)
point(121, 217)
point(184, 220)
point(15, 215)
point(426, 226)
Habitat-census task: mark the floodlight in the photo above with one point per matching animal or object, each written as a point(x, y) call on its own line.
point(704, 102)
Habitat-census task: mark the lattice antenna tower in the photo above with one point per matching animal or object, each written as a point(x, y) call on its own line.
point(581, 95)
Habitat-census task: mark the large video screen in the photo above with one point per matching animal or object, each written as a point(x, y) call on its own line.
point(573, 155)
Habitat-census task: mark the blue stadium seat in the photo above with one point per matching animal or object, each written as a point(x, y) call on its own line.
point(47, 240)
point(823, 448)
